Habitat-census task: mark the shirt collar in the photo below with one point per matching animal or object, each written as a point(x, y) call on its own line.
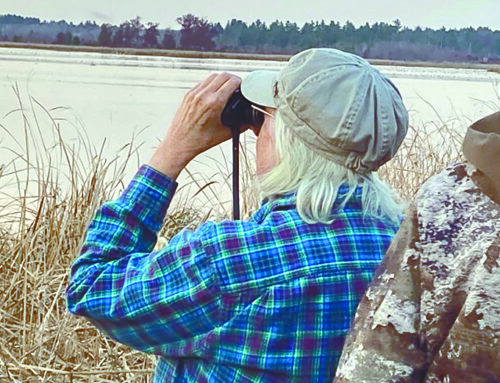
point(289, 202)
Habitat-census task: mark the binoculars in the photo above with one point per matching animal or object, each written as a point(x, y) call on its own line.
point(239, 112)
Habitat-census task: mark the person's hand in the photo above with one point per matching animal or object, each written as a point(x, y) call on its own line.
point(196, 126)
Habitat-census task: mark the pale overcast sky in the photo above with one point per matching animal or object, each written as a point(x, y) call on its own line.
point(425, 13)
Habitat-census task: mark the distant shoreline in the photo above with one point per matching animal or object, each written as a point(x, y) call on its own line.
point(234, 55)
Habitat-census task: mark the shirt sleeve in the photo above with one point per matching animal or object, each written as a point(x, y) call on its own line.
point(165, 302)
point(384, 344)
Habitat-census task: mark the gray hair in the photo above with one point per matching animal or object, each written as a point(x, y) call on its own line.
point(316, 180)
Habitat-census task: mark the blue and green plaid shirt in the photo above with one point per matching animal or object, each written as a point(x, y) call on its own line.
point(269, 299)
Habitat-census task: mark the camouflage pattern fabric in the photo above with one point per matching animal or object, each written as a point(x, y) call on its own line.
point(432, 314)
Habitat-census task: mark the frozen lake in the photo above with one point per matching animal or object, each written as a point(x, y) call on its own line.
point(114, 97)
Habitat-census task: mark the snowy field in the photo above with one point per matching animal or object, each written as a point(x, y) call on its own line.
point(114, 97)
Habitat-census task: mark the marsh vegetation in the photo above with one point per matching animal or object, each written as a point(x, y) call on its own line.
point(48, 193)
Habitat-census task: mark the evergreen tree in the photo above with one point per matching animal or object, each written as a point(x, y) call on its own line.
point(230, 37)
point(106, 35)
point(64, 38)
point(118, 38)
point(60, 38)
point(168, 41)
point(151, 35)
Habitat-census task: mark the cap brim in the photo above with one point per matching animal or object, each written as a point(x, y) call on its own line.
point(258, 87)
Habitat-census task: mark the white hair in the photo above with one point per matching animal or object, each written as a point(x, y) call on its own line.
point(316, 180)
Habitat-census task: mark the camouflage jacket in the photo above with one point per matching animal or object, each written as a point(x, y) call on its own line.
point(432, 313)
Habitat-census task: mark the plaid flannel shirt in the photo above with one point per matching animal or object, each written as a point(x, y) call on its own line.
point(268, 299)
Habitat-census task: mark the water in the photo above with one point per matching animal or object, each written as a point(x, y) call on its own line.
point(114, 97)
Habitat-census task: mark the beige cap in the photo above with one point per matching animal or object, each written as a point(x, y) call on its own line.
point(337, 103)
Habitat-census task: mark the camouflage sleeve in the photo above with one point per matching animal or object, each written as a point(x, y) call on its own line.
point(384, 344)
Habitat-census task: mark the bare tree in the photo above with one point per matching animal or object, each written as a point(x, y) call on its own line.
point(196, 33)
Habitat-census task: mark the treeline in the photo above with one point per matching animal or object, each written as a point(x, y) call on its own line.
point(378, 40)
point(33, 30)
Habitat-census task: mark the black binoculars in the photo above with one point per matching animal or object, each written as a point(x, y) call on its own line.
point(238, 112)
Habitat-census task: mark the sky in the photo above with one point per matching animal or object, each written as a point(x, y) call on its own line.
point(411, 13)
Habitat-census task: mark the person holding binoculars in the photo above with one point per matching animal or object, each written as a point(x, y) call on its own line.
point(269, 298)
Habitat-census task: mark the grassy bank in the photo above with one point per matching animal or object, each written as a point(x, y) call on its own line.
point(234, 55)
point(48, 193)
point(148, 52)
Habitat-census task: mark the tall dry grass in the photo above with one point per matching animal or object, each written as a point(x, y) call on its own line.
point(48, 192)
point(427, 149)
point(50, 189)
